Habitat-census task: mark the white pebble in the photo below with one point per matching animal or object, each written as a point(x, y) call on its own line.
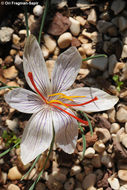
point(12, 124)
point(38, 10)
point(13, 187)
point(88, 49)
point(89, 153)
point(114, 128)
point(81, 20)
point(114, 183)
point(75, 170)
point(65, 40)
point(75, 26)
point(50, 43)
point(99, 146)
point(14, 173)
point(45, 51)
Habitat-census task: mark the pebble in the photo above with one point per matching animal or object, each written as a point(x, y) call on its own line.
point(40, 186)
point(103, 134)
point(23, 32)
point(18, 62)
point(112, 63)
point(99, 146)
point(103, 26)
point(117, 6)
point(81, 20)
point(124, 52)
point(60, 4)
point(106, 160)
point(3, 178)
point(124, 140)
point(50, 43)
point(89, 181)
point(92, 17)
point(8, 59)
point(88, 49)
point(12, 52)
point(89, 153)
point(99, 63)
point(38, 10)
point(122, 23)
point(50, 66)
point(75, 26)
point(121, 115)
point(111, 115)
point(83, 40)
point(64, 40)
point(69, 184)
point(45, 51)
point(14, 173)
point(15, 39)
point(75, 170)
point(5, 34)
point(10, 73)
point(78, 188)
point(32, 174)
point(12, 124)
point(92, 36)
point(59, 176)
point(114, 128)
point(13, 187)
point(122, 174)
point(114, 183)
point(96, 161)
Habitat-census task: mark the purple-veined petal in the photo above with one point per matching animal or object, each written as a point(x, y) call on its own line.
point(65, 70)
point(105, 101)
point(24, 100)
point(37, 135)
point(66, 130)
point(33, 61)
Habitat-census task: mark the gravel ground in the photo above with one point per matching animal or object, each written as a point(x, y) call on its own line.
point(94, 27)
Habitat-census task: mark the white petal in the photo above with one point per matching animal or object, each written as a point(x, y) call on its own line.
point(37, 136)
point(66, 130)
point(33, 61)
point(105, 101)
point(24, 100)
point(66, 69)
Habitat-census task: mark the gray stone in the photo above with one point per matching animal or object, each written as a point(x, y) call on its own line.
point(112, 62)
point(5, 34)
point(100, 64)
point(122, 23)
point(117, 6)
point(69, 185)
point(103, 26)
point(89, 181)
point(121, 115)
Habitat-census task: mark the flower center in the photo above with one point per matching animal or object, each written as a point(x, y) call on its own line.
point(61, 96)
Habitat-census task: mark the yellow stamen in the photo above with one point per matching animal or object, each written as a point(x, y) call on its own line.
point(58, 101)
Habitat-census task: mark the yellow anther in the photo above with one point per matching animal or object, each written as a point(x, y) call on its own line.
point(57, 101)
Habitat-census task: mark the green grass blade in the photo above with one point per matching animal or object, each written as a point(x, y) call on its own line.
point(90, 126)
point(43, 20)
point(84, 140)
point(50, 150)
point(4, 87)
point(26, 21)
point(9, 149)
point(93, 57)
point(27, 173)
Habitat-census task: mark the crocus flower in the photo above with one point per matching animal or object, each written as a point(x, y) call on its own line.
point(50, 103)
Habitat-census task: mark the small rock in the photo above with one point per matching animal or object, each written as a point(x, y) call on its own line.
point(96, 161)
point(3, 178)
point(75, 26)
point(92, 36)
point(32, 174)
point(117, 6)
point(8, 59)
point(40, 186)
point(64, 40)
point(122, 174)
point(83, 4)
point(50, 43)
point(75, 42)
point(23, 32)
point(89, 181)
point(122, 23)
point(118, 67)
point(112, 63)
point(13, 187)
point(38, 10)
point(15, 39)
point(92, 17)
point(103, 134)
point(69, 184)
point(121, 115)
point(114, 128)
point(10, 73)
point(60, 4)
point(100, 64)
point(75, 170)
point(45, 51)
point(14, 173)
point(5, 34)
point(114, 183)
point(106, 160)
point(81, 20)
point(83, 73)
point(59, 24)
point(12, 52)
point(83, 40)
point(12, 124)
point(89, 153)
point(99, 146)
point(50, 66)
point(18, 62)
point(124, 140)
point(111, 115)
point(88, 49)
point(103, 26)
point(124, 52)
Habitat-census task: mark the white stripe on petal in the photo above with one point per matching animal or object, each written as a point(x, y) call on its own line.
point(105, 101)
point(33, 61)
point(24, 100)
point(66, 69)
point(37, 136)
point(66, 130)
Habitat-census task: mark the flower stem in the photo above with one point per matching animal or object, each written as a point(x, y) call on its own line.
point(26, 21)
point(50, 150)
point(93, 57)
point(43, 20)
